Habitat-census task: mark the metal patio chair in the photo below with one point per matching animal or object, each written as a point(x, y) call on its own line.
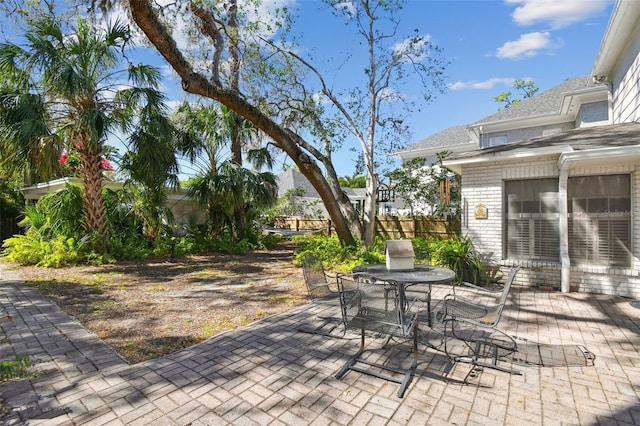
point(470, 333)
point(477, 310)
point(316, 279)
point(378, 306)
point(319, 289)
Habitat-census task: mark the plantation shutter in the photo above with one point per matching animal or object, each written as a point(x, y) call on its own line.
point(600, 220)
point(531, 209)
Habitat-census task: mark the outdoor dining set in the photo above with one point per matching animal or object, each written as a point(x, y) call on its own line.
point(394, 301)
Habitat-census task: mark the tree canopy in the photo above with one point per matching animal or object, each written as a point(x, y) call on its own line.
point(527, 88)
point(248, 63)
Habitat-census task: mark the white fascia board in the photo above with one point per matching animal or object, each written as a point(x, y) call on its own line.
point(36, 191)
point(598, 155)
point(577, 98)
point(424, 152)
point(563, 115)
point(49, 184)
point(624, 17)
point(521, 123)
point(456, 165)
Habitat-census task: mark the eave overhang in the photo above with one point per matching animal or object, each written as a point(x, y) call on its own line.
point(599, 156)
point(567, 111)
point(624, 18)
point(567, 157)
point(501, 156)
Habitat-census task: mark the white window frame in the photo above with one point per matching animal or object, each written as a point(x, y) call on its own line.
point(600, 221)
point(531, 230)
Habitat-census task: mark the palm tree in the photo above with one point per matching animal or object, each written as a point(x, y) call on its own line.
point(74, 88)
point(232, 188)
point(224, 186)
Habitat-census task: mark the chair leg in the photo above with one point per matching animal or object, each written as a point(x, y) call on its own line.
point(354, 359)
point(474, 372)
point(408, 374)
point(348, 365)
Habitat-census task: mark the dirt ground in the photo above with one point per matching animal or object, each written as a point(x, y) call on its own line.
point(148, 309)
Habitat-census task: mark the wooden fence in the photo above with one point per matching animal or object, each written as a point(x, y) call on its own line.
point(388, 227)
point(8, 227)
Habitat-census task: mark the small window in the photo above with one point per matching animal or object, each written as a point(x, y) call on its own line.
point(496, 141)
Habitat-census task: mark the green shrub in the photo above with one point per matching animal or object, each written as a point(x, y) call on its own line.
point(228, 243)
point(16, 368)
point(458, 254)
point(339, 257)
point(31, 250)
point(423, 248)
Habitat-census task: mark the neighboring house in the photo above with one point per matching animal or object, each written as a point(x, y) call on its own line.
point(555, 183)
point(454, 139)
point(184, 209)
point(306, 196)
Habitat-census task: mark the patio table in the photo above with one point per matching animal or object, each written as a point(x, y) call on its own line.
point(420, 274)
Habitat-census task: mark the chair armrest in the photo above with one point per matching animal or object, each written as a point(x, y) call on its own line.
point(468, 301)
point(477, 288)
point(332, 280)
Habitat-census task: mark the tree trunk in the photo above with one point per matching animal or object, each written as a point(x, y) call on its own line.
point(95, 218)
point(239, 211)
point(192, 82)
point(370, 211)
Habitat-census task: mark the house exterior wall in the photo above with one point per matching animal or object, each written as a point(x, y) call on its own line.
point(625, 84)
point(186, 211)
point(590, 114)
point(483, 184)
point(516, 135)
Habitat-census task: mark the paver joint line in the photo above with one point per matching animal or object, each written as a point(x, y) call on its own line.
point(269, 372)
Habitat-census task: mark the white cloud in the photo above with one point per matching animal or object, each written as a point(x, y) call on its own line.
point(526, 46)
point(265, 14)
point(347, 6)
point(413, 48)
point(481, 85)
point(556, 13)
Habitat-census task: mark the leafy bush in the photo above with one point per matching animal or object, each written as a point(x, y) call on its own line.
point(227, 243)
point(456, 254)
point(15, 368)
point(56, 213)
point(340, 257)
point(423, 248)
point(31, 250)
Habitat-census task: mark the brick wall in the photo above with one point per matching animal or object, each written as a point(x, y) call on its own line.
point(484, 184)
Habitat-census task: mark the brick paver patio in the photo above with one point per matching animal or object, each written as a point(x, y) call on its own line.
point(271, 373)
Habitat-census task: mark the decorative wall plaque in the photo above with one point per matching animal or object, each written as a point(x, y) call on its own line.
point(481, 211)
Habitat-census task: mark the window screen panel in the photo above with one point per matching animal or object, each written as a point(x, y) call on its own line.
point(531, 209)
point(600, 220)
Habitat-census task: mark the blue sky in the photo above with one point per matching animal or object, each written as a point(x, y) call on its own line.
point(489, 44)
